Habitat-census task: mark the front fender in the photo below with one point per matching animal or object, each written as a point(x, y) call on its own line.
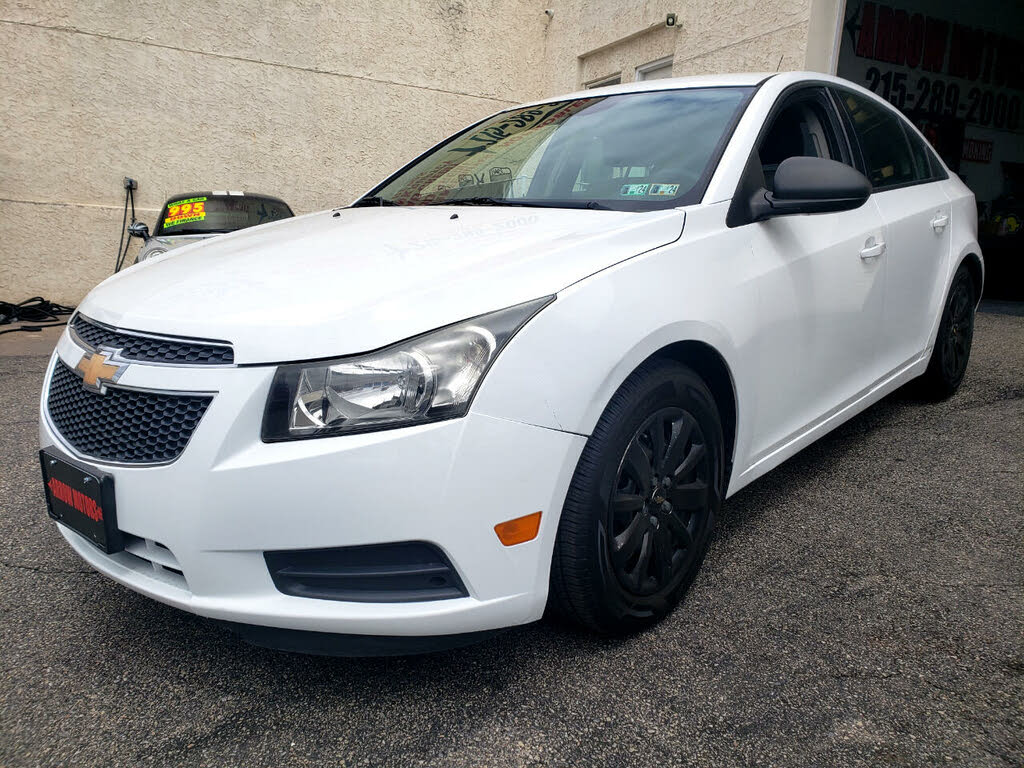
point(561, 370)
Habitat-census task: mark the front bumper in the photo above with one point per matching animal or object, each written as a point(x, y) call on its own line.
point(200, 525)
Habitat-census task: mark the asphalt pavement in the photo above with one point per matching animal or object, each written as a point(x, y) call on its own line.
point(863, 604)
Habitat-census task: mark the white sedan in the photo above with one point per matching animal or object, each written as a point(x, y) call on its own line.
point(525, 370)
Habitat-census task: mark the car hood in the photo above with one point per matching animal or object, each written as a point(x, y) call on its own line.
point(357, 279)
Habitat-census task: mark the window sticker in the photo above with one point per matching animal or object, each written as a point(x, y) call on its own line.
point(649, 190)
point(498, 141)
point(664, 190)
point(517, 123)
point(185, 211)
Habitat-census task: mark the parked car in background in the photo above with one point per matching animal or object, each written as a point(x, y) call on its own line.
point(523, 371)
point(194, 216)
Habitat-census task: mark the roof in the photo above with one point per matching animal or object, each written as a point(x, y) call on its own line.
point(665, 84)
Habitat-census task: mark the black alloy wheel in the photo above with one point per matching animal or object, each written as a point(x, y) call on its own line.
point(659, 506)
point(641, 507)
point(952, 349)
point(957, 341)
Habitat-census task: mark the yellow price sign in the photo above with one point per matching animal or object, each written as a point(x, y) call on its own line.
point(185, 211)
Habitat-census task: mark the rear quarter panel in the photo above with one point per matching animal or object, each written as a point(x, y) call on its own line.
point(964, 222)
point(963, 241)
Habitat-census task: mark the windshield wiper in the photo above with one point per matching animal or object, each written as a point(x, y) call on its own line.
point(372, 201)
point(475, 201)
point(521, 203)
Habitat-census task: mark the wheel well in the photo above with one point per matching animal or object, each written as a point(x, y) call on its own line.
point(710, 366)
point(973, 264)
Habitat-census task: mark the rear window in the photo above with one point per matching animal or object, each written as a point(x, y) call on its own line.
point(211, 214)
point(883, 142)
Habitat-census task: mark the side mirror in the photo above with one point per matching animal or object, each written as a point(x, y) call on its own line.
point(138, 229)
point(811, 185)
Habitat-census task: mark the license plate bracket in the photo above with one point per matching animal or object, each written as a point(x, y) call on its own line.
point(81, 498)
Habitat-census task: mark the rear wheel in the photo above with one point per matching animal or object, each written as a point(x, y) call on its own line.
point(641, 506)
point(952, 349)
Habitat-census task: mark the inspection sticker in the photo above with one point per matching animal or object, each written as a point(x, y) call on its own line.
point(634, 190)
point(185, 211)
point(664, 190)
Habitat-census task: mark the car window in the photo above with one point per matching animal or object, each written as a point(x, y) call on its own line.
point(633, 151)
point(210, 214)
point(926, 166)
point(883, 142)
point(802, 129)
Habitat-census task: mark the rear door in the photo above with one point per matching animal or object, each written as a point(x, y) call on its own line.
point(916, 211)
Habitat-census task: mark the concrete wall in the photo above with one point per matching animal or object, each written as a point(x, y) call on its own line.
point(310, 100)
point(592, 39)
point(307, 100)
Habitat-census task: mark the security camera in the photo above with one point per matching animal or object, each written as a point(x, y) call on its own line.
point(670, 20)
point(549, 13)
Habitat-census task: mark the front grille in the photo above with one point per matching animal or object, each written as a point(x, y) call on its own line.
point(122, 425)
point(138, 346)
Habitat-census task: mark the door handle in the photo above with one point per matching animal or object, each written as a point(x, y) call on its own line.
point(939, 222)
point(872, 250)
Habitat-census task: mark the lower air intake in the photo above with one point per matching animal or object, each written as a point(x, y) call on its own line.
point(404, 572)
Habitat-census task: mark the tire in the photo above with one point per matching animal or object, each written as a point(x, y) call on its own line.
point(628, 547)
point(952, 350)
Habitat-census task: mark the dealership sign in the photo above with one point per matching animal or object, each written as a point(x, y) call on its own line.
point(936, 68)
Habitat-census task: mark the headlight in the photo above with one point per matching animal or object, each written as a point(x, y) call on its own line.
point(428, 378)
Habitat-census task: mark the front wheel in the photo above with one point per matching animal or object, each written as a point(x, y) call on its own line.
point(952, 349)
point(641, 506)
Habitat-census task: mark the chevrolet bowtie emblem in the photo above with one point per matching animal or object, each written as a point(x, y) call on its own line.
point(97, 372)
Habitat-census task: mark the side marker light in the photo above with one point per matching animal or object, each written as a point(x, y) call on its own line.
point(518, 531)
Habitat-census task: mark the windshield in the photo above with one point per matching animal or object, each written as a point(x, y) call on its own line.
point(210, 214)
point(633, 151)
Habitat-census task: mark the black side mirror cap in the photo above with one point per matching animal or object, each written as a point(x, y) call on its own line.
point(138, 229)
point(816, 185)
point(802, 185)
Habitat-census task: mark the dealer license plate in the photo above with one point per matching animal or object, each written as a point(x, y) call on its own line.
point(82, 499)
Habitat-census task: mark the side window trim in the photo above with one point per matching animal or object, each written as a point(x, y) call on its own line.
point(857, 152)
point(838, 127)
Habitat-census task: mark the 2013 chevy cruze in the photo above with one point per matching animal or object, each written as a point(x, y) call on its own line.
point(526, 369)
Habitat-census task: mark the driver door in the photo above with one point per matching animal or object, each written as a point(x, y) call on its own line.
point(820, 287)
